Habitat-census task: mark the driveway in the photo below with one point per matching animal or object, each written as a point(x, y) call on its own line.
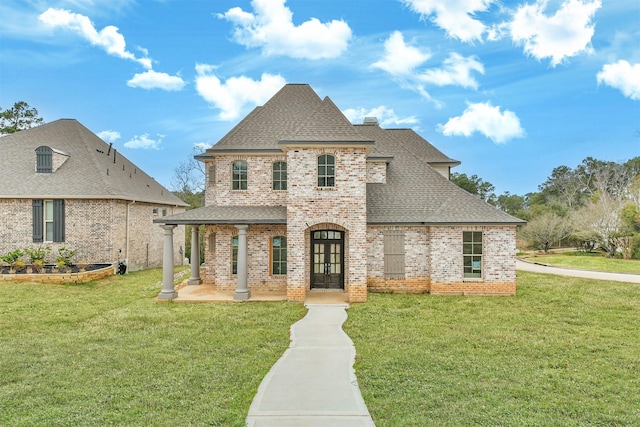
point(600, 275)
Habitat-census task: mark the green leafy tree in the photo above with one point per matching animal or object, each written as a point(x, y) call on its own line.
point(475, 185)
point(19, 117)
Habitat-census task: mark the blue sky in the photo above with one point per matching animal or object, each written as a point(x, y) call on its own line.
point(512, 89)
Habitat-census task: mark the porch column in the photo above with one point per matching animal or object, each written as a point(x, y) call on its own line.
point(195, 256)
point(168, 292)
point(242, 291)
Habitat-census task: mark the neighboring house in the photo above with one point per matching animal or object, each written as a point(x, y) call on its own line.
point(298, 198)
point(63, 186)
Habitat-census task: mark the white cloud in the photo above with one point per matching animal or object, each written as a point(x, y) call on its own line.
point(108, 38)
point(109, 135)
point(399, 58)
point(237, 92)
point(456, 17)
point(622, 76)
point(566, 33)
point(271, 27)
point(154, 80)
point(386, 116)
point(405, 63)
point(486, 119)
point(144, 142)
point(456, 71)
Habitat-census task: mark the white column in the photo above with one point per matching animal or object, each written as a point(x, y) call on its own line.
point(242, 290)
point(168, 292)
point(195, 256)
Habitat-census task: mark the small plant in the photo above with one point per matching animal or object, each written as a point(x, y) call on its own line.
point(12, 257)
point(37, 254)
point(61, 264)
point(83, 264)
point(37, 266)
point(19, 265)
point(64, 257)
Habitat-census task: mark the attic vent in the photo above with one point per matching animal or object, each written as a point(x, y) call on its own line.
point(370, 121)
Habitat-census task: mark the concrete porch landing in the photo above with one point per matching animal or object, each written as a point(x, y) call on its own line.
point(209, 293)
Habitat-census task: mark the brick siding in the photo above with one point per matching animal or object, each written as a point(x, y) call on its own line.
point(97, 229)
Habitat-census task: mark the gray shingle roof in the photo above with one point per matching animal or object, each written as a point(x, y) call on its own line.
point(229, 215)
point(414, 192)
point(89, 172)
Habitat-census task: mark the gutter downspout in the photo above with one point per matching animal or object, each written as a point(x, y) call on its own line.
point(126, 259)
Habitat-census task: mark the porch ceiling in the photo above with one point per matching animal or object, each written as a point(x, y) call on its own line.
point(229, 215)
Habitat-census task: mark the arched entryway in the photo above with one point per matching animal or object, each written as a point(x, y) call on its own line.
point(327, 259)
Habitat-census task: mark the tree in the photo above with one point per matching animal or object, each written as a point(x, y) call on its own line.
point(18, 118)
point(475, 185)
point(513, 205)
point(602, 219)
point(188, 184)
point(544, 230)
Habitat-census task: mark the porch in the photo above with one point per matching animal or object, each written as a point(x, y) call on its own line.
point(209, 293)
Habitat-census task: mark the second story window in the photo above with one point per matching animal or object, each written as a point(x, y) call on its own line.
point(280, 176)
point(44, 162)
point(239, 175)
point(326, 170)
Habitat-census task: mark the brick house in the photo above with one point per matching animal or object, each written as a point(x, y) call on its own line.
point(298, 198)
point(64, 186)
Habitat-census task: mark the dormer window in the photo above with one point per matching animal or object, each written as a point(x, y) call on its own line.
point(44, 163)
point(326, 170)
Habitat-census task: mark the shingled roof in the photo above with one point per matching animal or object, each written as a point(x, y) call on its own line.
point(93, 170)
point(414, 192)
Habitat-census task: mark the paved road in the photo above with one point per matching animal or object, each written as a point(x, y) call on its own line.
point(540, 268)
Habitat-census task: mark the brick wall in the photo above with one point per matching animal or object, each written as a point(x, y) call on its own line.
point(498, 261)
point(340, 207)
point(376, 172)
point(259, 190)
point(96, 229)
point(218, 256)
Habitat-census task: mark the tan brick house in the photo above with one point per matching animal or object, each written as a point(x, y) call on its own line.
point(64, 186)
point(298, 198)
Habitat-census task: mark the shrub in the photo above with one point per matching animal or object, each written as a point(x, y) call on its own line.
point(39, 253)
point(64, 257)
point(12, 257)
point(37, 265)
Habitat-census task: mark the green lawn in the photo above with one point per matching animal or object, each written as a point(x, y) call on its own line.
point(564, 351)
point(589, 261)
point(108, 353)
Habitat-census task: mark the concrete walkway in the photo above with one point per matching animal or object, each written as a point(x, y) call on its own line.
point(600, 275)
point(313, 384)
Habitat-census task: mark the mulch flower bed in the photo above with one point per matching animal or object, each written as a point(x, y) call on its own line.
point(52, 269)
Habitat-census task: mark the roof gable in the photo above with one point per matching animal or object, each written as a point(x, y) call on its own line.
point(276, 119)
point(326, 124)
point(94, 169)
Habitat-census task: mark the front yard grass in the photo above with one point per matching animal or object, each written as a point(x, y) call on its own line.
point(595, 261)
point(108, 353)
point(564, 351)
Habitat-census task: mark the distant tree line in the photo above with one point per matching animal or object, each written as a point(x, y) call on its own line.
point(594, 206)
